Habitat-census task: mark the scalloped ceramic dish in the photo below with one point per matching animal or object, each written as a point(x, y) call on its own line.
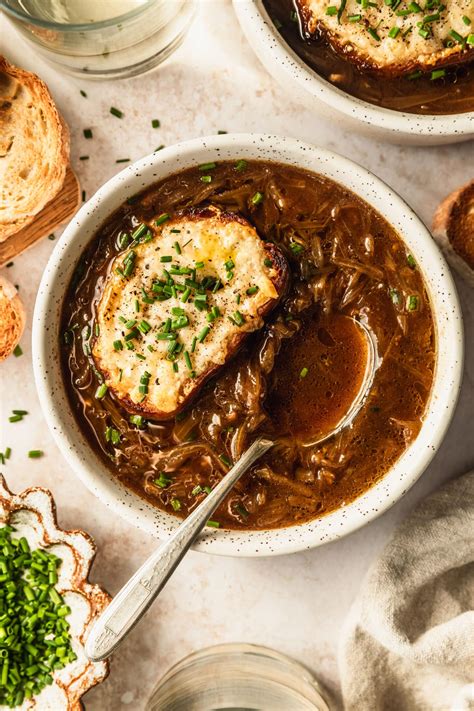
point(33, 515)
point(145, 172)
point(327, 100)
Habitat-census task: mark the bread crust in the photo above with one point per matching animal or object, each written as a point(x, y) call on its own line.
point(453, 230)
point(12, 318)
point(34, 141)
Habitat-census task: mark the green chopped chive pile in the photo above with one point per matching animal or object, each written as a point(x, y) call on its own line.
point(18, 351)
point(34, 632)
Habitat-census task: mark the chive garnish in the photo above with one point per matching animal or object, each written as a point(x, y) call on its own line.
point(176, 504)
point(412, 303)
point(123, 160)
point(187, 360)
point(331, 10)
point(256, 198)
point(83, 93)
point(437, 74)
point(193, 344)
point(207, 166)
point(17, 352)
point(162, 218)
point(116, 112)
point(206, 178)
point(35, 453)
point(162, 481)
point(411, 261)
point(83, 157)
point(203, 334)
point(213, 524)
point(395, 296)
point(252, 290)
point(176, 246)
point(137, 420)
point(303, 372)
point(87, 133)
point(197, 490)
point(241, 164)
point(112, 435)
point(225, 460)
point(155, 123)
point(268, 262)
point(237, 318)
point(101, 391)
point(166, 258)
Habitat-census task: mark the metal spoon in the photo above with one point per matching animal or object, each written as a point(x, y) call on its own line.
point(136, 596)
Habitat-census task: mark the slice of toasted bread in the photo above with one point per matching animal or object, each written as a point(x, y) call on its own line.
point(453, 230)
point(392, 37)
point(12, 318)
point(34, 148)
point(199, 283)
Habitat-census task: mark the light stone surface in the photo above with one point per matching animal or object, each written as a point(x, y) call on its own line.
point(296, 604)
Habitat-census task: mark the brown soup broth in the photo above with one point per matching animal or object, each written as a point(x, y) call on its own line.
point(349, 262)
point(451, 94)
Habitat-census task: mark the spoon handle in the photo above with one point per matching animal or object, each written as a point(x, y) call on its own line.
point(136, 596)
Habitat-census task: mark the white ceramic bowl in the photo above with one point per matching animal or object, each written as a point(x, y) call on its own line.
point(314, 91)
point(145, 172)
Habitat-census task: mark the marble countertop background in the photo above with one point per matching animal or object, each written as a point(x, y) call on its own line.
point(296, 604)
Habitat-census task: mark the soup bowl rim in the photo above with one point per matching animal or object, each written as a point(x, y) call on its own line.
point(292, 71)
point(143, 173)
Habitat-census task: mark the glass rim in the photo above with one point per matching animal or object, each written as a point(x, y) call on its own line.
point(79, 27)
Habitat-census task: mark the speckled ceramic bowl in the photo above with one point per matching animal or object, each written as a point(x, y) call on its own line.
point(306, 86)
point(145, 172)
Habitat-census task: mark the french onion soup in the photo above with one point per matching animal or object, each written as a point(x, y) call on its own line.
point(401, 55)
point(222, 303)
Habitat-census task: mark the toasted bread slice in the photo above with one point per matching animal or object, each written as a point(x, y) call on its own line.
point(393, 38)
point(34, 148)
point(172, 314)
point(12, 318)
point(453, 229)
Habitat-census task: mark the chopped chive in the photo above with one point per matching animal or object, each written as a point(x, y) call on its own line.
point(466, 20)
point(373, 33)
point(206, 178)
point(160, 148)
point(394, 32)
point(83, 196)
point(35, 453)
point(197, 490)
point(123, 160)
point(412, 303)
point(83, 157)
point(470, 39)
point(268, 262)
point(116, 112)
point(225, 460)
point(395, 296)
point(331, 10)
point(177, 248)
point(101, 391)
point(241, 165)
point(176, 504)
point(162, 481)
point(437, 74)
point(252, 290)
point(8, 452)
point(193, 344)
point(83, 93)
point(187, 360)
point(237, 318)
point(87, 133)
point(155, 123)
point(162, 218)
point(137, 420)
point(140, 356)
point(455, 35)
point(303, 372)
point(411, 261)
point(213, 524)
point(296, 248)
point(17, 351)
point(256, 198)
point(207, 166)
point(202, 336)
point(166, 258)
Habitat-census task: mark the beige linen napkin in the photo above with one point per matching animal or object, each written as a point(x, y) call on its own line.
point(408, 643)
